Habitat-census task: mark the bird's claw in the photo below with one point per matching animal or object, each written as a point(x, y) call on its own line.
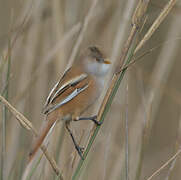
point(80, 151)
point(94, 119)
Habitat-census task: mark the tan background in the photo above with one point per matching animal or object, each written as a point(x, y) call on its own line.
point(150, 92)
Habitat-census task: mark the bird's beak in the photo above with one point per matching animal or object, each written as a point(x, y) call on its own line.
point(106, 61)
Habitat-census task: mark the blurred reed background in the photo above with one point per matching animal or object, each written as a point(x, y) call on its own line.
point(143, 127)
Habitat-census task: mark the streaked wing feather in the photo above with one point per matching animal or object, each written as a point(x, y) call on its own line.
point(68, 84)
point(50, 94)
point(55, 86)
point(67, 99)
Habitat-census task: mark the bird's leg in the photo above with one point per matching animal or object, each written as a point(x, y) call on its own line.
point(92, 118)
point(77, 147)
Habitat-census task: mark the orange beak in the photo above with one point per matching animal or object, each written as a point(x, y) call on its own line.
point(107, 61)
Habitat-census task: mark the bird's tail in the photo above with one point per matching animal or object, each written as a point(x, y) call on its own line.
point(45, 130)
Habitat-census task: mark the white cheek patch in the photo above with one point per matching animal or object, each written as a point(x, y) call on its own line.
point(96, 68)
point(104, 68)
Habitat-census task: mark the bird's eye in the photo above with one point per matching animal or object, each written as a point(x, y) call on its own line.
point(99, 59)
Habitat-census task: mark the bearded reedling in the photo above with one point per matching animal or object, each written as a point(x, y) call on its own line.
point(80, 86)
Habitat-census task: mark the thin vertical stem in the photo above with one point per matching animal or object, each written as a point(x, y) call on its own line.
point(127, 139)
point(4, 116)
point(111, 92)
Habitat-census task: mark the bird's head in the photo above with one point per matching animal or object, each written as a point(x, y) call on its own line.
point(94, 61)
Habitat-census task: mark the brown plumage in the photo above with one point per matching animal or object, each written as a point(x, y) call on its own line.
point(79, 88)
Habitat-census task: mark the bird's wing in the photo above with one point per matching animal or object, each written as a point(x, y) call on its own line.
point(65, 90)
point(55, 87)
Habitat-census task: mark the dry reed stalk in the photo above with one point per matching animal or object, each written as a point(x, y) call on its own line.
point(141, 116)
point(165, 164)
point(122, 69)
point(140, 57)
point(28, 125)
point(171, 168)
point(140, 11)
point(136, 21)
point(161, 74)
point(156, 23)
point(127, 137)
point(122, 28)
point(4, 116)
point(111, 170)
point(13, 36)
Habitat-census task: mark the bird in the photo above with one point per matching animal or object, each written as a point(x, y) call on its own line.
point(79, 87)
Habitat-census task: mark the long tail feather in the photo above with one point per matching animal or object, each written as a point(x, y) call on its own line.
point(43, 133)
